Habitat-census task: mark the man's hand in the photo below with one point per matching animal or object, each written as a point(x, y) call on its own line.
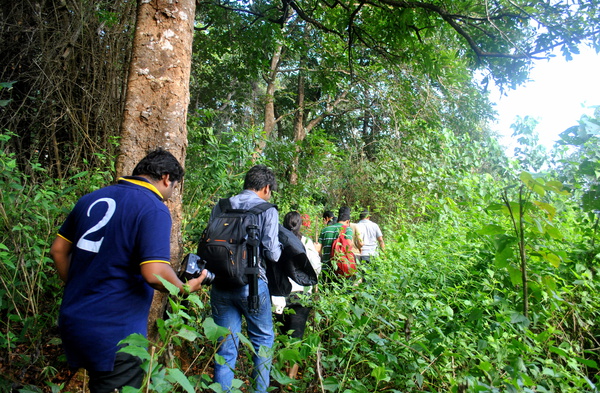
point(196, 283)
point(165, 271)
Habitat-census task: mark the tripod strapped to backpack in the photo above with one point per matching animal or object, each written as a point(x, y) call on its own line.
point(253, 254)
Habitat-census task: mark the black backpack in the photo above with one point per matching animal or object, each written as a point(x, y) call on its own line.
point(224, 244)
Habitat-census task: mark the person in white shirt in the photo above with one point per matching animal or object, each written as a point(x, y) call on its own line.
point(371, 236)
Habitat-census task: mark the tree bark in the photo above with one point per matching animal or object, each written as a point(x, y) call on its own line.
point(157, 101)
point(299, 132)
point(270, 120)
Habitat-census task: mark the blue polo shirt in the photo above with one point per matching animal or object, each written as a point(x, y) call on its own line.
point(113, 230)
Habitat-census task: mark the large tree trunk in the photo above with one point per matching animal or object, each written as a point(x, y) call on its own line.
point(157, 100)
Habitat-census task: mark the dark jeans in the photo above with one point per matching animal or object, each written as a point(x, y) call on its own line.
point(126, 372)
point(365, 258)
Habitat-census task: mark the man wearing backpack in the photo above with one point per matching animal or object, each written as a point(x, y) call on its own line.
point(229, 303)
point(328, 236)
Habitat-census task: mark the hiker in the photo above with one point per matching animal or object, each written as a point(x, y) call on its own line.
point(328, 218)
point(110, 249)
point(327, 237)
point(371, 236)
point(229, 304)
point(295, 321)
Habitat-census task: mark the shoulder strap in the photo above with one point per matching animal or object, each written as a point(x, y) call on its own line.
point(261, 208)
point(224, 205)
point(343, 231)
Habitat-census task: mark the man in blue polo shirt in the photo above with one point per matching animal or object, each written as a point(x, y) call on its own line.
point(109, 252)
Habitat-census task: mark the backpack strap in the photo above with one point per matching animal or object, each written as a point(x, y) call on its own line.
point(225, 206)
point(261, 208)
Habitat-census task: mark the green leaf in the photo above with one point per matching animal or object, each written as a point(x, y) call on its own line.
point(559, 351)
point(212, 331)
point(485, 366)
point(491, 229)
point(188, 334)
point(80, 174)
point(379, 373)
point(245, 341)
point(135, 339)
point(502, 257)
point(172, 288)
point(177, 376)
point(331, 384)
point(475, 314)
point(551, 210)
point(557, 187)
point(140, 352)
point(553, 232)
point(518, 318)
point(288, 354)
point(515, 274)
point(587, 362)
point(532, 183)
point(552, 258)
point(549, 282)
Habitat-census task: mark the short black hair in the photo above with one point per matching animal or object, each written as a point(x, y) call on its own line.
point(344, 213)
point(157, 163)
point(364, 214)
point(328, 214)
point(293, 222)
point(258, 177)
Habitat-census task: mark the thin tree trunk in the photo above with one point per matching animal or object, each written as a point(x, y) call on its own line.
point(271, 80)
point(299, 132)
point(157, 101)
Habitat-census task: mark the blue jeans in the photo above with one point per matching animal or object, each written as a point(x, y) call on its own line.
point(228, 307)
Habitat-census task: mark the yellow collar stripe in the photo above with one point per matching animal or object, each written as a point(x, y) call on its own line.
point(143, 184)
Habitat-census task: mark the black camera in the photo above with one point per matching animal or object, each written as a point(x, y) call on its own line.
point(192, 267)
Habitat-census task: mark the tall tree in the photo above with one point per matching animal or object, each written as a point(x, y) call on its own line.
point(158, 97)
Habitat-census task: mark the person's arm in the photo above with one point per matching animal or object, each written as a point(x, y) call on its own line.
point(318, 248)
point(381, 244)
point(165, 271)
point(60, 252)
point(358, 243)
point(270, 235)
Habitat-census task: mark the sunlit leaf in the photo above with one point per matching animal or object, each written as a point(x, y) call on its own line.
point(551, 210)
point(552, 258)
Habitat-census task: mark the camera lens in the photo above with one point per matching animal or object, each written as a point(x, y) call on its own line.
point(210, 277)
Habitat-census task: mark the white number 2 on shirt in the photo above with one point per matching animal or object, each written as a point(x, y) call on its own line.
point(94, 245)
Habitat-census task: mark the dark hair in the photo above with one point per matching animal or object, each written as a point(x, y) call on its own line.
point(293, 222)
point(328, 214)
point(364, 214)
point(157, 163)
point(258, 177)
point(344, 213)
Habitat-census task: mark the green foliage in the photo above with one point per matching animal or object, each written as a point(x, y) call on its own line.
point(30, 213)
point(183, 328)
